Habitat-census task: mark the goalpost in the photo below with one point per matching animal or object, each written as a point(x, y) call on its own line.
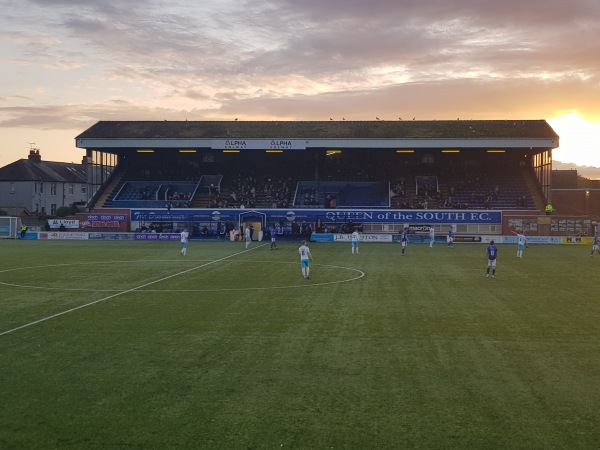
point(10, 227)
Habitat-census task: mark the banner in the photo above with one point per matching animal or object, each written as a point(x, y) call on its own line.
point(556, 240)
point(107, 217)
point(579, 240)
point(467, 238)
point(414, 216)
point(157, 236)
point(64, 235)
point(100, 224)
point(56, 223)
point(410, 216)
point(362, 237)
point(111, 236)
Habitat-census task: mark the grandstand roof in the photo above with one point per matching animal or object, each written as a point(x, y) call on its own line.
point(517, 135)
point(381, 129)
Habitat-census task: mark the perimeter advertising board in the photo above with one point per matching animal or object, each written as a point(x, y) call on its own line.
point(157, 236)
point(64, 235)
point(410, 216)
point(57, 223)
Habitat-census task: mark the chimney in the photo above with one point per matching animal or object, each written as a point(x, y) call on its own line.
point(34, 156)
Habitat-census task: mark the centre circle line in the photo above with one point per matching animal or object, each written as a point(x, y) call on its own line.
point(215, 289)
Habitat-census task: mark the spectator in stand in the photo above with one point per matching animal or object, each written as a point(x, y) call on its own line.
point(488, 202)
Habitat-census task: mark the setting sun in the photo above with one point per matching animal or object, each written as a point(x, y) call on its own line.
point(579, 139)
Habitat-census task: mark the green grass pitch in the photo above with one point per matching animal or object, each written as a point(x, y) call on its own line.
point(128, 345)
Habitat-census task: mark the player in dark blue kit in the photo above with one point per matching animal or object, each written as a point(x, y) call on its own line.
point(404, 240)
point(492, 255)
point(450, 238)
point(273, 233)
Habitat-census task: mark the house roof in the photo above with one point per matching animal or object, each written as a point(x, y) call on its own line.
point(381, 129)
point(28, 170)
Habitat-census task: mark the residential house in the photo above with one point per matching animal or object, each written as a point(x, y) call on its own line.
point(35, 186)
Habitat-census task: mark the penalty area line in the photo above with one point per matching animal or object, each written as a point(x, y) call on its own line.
point(68, 311)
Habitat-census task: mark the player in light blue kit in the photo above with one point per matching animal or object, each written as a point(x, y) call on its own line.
point(431, 236)
point(595, 246)
point(521, 243)
point(305, 259)
point(184, 237)
point(247, 237)
point(492, 257)
point(355, 238)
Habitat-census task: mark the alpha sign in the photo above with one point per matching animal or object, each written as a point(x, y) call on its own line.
point(258, 144)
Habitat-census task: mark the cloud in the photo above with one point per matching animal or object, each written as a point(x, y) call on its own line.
point(10, 98)
point(333, 43)
point(61, 64)
point(34, 39)
point(108, 7)
point(517, 98)
point(78, 116)
point(300, 60)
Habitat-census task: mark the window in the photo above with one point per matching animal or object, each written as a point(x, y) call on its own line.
point(53, 208)
point(41, 188)
point(71, 189)
point(12, 187)
point(83, 188)
point(52, 189)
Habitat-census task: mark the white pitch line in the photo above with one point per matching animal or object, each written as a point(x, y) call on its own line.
point(264, 288)
point(123, 292)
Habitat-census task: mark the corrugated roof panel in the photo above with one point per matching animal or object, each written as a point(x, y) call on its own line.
point(463, 129)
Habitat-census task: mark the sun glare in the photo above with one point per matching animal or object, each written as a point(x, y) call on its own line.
point(579, 139)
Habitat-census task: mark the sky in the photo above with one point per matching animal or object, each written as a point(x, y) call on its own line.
point(66, 64)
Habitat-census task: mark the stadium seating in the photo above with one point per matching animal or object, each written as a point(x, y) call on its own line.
point(356, 180)
point(342, 194)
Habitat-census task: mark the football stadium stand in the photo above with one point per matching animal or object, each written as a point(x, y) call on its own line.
point(425, 165)
point(350, 164)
